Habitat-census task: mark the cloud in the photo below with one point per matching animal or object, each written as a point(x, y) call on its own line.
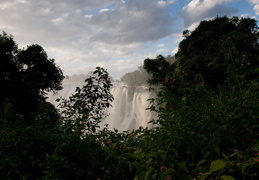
point(132, 22)
point(175, 50)
point(255, 3)
point(198, 10)
point(81, 34)
point(256, 9)
point(48, 20)
point(160, 45)
point(162, 50)
point(163, 3)
point(84, 24)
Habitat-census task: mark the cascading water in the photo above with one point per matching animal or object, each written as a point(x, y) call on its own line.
point(128, 109)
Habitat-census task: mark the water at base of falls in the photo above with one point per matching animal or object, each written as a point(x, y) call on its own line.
point(128, 109)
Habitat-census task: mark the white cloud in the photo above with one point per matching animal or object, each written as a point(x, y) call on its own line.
point(86, 24)
point(5, 5)
point(104, 10)
point(132, 22)
point(256, 9)
point(244, 15)
point(163, 3)
point(162, 50)
point(175, 50)
point(198, 10)
point(160, 45)
point(254, 1)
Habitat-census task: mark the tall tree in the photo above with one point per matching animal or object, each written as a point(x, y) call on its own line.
point(158, 68)
point(209, 95)
point(26, 76)
point(206, 51)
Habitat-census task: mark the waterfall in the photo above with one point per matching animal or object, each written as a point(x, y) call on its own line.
point(128, 109)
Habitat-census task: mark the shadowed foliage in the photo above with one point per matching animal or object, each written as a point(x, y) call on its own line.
point(25, 75)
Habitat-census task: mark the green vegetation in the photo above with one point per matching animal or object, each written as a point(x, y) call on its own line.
point(207, 124)
point(26, 76)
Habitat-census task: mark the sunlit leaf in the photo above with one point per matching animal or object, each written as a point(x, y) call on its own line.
point(216, 165)
point(227, 177)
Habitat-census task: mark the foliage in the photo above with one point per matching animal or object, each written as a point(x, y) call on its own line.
point(87, 105)
point(60, 150)
point(158, 68)
point(25, 75)
point(209, 98)
point(37, 70)
point(210, 48)
point(45, 151)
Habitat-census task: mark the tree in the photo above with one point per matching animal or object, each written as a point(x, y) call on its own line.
point(39, 71)
point(208, 103)
point(26, 76)
point(86, 108)
point(206, 51)
point(158, 68)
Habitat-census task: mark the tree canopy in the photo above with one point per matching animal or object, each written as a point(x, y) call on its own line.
point(158, 67)
point(208, 49)
point(25, 75)
point(207, 52)
point(209, 96)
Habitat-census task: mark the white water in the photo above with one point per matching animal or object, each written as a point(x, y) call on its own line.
point(128, 109)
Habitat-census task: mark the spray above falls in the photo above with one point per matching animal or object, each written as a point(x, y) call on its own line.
point(128, 109)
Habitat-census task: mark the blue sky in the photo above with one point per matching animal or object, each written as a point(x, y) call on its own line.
point(115, 34)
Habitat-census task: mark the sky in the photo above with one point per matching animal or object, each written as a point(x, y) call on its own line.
point(114, 34)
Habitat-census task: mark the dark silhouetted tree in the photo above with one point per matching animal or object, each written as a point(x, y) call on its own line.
point(206, 50)
point(209, 95)
point(26, 76)
point(158, 68)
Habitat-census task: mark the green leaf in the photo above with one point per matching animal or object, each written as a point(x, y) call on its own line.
point(227, 177)
point(244, 166)
point(206, 154)
point(215, 148)
point(131, 167)
point(169, 172)
point(149, 161)
point(147, 174)
point(183, 166)
point(134, 156)
point(216, 165)
point(226, 157)
point(113, 145)
point(200, 162)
